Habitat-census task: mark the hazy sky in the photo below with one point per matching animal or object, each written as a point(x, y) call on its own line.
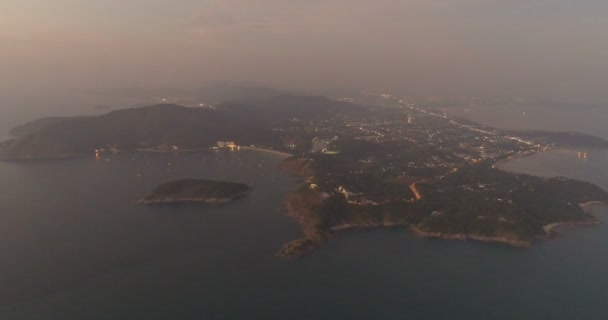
point(539, 48)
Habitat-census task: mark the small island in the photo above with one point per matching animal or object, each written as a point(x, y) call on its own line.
point(196, 191)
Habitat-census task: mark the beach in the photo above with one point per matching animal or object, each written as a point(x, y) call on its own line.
point(275, 152)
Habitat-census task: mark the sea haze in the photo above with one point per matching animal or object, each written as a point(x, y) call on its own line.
point(83, 250)
point(539, 116)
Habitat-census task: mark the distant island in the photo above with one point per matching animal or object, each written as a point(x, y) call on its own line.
point(195, 190)
point(390, 164)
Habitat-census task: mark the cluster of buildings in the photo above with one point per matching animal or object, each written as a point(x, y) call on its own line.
point(403, 141)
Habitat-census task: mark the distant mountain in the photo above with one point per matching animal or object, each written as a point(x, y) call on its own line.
point(169, 125)
point(37, 125)
point(290, 107)
point(222, 93)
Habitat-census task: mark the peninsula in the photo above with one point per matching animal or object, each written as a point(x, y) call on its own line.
point(193, 191)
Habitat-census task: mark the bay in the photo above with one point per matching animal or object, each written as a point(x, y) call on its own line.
point(74, 246)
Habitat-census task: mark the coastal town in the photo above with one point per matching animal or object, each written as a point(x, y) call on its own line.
point(417, 167)
point(405, 143)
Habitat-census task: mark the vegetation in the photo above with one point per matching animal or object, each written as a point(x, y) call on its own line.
point(477, 202)
point(137, 128)
point(170, 125)
point(193, 190)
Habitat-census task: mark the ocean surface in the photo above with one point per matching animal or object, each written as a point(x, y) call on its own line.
point(539, 117)
point(74, 246)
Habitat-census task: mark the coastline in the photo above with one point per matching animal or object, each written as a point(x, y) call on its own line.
point(168, 200)
point(588, 204)
point(512, 157)
point(475, 237)
point(281, 154)
point(166, 151)
point(549, 228)
point(56, 157)
point(185, 200)
point(350, 226)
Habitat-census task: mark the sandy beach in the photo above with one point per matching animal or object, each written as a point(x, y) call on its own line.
point(518, 155)
point(275, 152)
point(591, 203)
point(585, 206)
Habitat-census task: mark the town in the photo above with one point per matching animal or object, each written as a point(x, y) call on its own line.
point(408, 165)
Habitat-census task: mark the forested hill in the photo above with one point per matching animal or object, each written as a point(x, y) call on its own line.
point(168, 124)
point(36, 125)
point(135, 128)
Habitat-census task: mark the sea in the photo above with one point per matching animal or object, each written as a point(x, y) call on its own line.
point(73, 245)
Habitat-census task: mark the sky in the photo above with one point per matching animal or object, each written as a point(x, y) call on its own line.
point(553, 49)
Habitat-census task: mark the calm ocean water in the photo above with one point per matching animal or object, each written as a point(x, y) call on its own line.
point(73, 246)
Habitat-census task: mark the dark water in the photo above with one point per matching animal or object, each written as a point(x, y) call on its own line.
point(539, 117)
point(73, 246)
point(588, 165)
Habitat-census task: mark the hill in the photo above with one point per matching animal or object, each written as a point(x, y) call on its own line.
point(132, 129)
point(173, 125)
point(289, 108)
point(37, 125)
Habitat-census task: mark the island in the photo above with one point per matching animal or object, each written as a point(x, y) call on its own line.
point(196, 191)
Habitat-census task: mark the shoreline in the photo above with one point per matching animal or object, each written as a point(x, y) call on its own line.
point(304, 246)
point(472, 237)
point(56, 157)
point(350, 226)
point(549, 228)
point(585, 205)
point(185, 200)
point(501, 162)
point(281, 154)
point(165, 151)
point(211, 201)
point(275, 152)
point(563, 149)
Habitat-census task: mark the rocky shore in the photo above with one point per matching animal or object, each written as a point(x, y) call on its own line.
point(313, 209)
point(511, 240)
point(297, 248)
